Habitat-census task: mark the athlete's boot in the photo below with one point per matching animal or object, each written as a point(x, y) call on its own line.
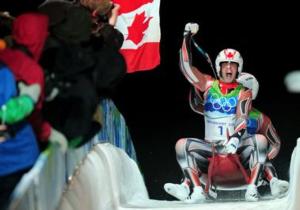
point(179, 191)
point(251, 193)
point(278, 187)
point(197, 196)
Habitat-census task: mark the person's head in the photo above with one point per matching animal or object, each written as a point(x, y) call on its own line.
point(229, 63)
point(31, 30)
point(249, 81)
point(68, 30)
point(101, 7)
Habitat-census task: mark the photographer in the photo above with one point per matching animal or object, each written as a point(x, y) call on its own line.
point(81, 67)
point(106, 41)
point(104, 17)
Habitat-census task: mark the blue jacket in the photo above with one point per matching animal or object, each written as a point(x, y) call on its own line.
point(21, 150)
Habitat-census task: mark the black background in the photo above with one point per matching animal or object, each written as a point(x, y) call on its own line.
point(155, 103)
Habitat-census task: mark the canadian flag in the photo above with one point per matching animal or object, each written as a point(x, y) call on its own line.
point(138, 20)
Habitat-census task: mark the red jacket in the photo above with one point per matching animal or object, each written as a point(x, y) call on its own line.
point(31, 31)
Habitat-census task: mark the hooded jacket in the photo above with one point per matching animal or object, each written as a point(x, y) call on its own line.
point(30, 31)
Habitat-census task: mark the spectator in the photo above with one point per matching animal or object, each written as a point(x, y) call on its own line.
point(78, 62)
point(29, 32)
point(69, 60)
point(105, 40)
point(18, 146)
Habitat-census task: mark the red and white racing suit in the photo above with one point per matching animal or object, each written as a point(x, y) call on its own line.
point(226, 109)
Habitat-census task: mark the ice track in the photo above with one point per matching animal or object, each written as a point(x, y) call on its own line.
point(109, 180)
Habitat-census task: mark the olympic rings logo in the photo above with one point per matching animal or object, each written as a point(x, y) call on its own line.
point(221, 104)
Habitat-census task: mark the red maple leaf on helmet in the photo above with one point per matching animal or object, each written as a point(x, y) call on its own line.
point(230, 54)
point(137, 28)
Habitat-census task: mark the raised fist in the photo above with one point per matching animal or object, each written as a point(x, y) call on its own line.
point(191, 28)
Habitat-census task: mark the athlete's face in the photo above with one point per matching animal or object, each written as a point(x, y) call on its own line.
point(228, 72)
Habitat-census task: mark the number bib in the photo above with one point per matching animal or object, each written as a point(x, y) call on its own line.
point(218, 129)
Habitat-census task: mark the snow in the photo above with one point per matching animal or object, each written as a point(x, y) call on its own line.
point(121, 184)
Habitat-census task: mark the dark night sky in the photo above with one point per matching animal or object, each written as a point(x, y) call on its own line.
point(160, 115)
point(155, 103)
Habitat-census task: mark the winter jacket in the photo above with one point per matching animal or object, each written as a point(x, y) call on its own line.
point(20, 150)
point(29, 32)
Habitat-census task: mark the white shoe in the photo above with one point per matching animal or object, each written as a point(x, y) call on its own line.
point(251, 193)
point(278, 187)
point(179, 191)
point(198, 196)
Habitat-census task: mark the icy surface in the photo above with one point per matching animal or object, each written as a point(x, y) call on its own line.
point(118, 185)
point(279, 204)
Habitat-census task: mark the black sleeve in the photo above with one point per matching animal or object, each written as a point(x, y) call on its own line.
point(111, 36)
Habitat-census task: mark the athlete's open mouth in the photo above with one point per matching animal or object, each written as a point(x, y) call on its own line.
point(228, 74)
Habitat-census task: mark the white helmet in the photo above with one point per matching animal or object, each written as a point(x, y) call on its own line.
point(249, 81)
point(229, 55)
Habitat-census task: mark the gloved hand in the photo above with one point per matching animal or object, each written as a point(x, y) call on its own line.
point(191, 28)
point(58, 137)
point(33, 91)
point(231, 145)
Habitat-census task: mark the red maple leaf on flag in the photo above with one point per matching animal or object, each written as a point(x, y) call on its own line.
point(138, 27)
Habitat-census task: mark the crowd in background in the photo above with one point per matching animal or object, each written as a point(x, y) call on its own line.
point(56, 64)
